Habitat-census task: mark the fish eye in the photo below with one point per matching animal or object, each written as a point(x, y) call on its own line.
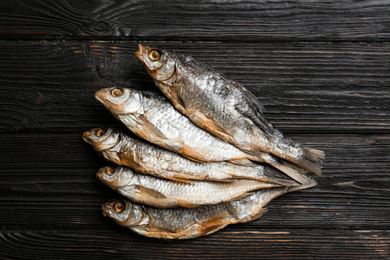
point(117, 92)
point(100, 132)
point(110, 170)
point(154, 55)
point(119, 207)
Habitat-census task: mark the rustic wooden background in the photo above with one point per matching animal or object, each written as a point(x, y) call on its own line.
point(321, 68)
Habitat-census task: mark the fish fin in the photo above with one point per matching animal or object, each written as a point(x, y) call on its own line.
point(190, 153)
point(173, 96)
point(287, 168)
point(150, 129)
point(259, 214)
point(244, 162)
point(214, 224)
point(127, 159)
point(250, 107)
point(149, 192)
point(186, 204)
point(275, 176)
point(213, 128)
point(181, 180)
point(292, 173)
point(180, 102)
point(310, 184)
point(311, 160)
point(249, 193)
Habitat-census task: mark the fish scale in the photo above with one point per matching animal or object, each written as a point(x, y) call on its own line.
point(165, 117)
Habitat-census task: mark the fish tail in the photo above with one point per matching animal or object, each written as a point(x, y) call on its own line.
point(287, 168)
point(310, 184)
point(310, 160)
point(275, 176)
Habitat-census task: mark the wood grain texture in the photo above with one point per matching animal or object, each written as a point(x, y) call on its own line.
point(305, 87)
point(201, 20)
point(321, 68)
point(264, 244)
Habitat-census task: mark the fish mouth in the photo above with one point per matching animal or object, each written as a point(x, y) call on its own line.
point(142, 49)
point(139, 53)
point(100, 173)
point(99, 96)
point(87, 136)
point(106, 209)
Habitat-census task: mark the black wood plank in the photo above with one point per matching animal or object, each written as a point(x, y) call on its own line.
point(201, 20)
point(305, 87)
point(49, 180)
point(261, 244)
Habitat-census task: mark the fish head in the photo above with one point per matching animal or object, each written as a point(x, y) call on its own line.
point(101, 138)
point(115, 177)
point(123, 212)
point(159, 63)
point(121, 100)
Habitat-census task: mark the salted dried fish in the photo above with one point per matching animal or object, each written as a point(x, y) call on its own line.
point(149, 159)
point(184, 223)
point(222, 107)
point(164, 193)
point(153, 118)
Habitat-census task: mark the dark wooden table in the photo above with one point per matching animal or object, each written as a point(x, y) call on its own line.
point(321, 68)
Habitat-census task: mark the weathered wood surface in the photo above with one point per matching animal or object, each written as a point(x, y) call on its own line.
point(229, 20)
point(321, 68)
point(305, 87)
point(116, 243)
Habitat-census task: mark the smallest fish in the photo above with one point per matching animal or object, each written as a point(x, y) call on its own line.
point(163, 193)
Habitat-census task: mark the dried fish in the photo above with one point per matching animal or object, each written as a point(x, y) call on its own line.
point(222, 107)
point(153, 118)
point(149, 159)
point(184, 223)
point(164, 193)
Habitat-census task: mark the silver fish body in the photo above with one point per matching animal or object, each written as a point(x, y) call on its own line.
point(222, 107)
point(184, 223)
point(154, 118)
point(149, 159)
point(162, 193)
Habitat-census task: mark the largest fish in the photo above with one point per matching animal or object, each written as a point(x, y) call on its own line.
point(222, 106)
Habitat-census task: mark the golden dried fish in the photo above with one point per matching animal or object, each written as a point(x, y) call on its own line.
point(222, 107)
point(149, 159)
point(153, 118)
point(162, 193)
point(184, 223)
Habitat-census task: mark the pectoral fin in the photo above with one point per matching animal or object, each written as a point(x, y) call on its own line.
point(128, 159)
point(181, 180)
point(214, 224)
point(190, 153)
point(143, 191)
point(150, 129)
